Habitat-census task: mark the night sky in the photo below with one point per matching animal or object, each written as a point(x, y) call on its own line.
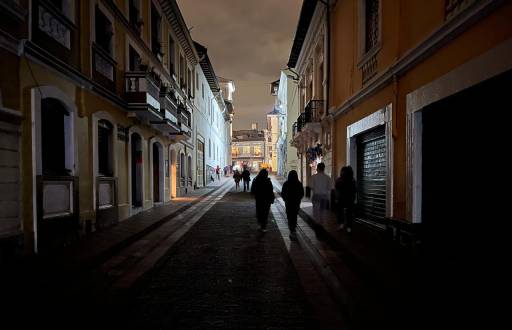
point(248, 41)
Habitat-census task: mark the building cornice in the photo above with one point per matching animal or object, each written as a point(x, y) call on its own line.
point(312, 37)
point(450, 30)
point(177, 22)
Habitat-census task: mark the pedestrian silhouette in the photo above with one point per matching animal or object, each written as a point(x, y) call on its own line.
point(292, 193)
point(237, 176)
point(246, 175)
point(264, 194)
point(345, 198)
point(217, 171)
point(321, 184)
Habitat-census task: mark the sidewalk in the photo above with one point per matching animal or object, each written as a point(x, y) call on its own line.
point(98, 246)
point(368, 246)
point(386, 268)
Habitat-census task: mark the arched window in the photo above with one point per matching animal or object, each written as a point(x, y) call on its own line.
point(105, 148)
point(53, 137)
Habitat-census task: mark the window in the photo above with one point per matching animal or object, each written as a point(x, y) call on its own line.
point(172, 54)
point(134, 14)
point(235, 151)
point(257, 151)
point(105, 151)
point(134, 59)
point(182, 72)
point(371, 24)
point(246, 150)
point(104, 31)
point(203, 90)
point(197, 80)
point(53, 136)
point(189, 83)
point(156, 33)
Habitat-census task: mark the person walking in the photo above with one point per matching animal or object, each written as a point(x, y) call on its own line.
point(321, 185)
point(263, 192)
point(246, 176)
point(345, 196)
point(292, 193)
point(237, 176)
point(217, 171)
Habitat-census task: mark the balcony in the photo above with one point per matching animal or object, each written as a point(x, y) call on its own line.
point(168, 111)
point(314, 111)
point(184, 124)
point(104, 68)
point(142, 93)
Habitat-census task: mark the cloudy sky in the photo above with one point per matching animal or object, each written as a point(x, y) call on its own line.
point(248, 41)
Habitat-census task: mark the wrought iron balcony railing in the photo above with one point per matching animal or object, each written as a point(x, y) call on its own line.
point(314, 111)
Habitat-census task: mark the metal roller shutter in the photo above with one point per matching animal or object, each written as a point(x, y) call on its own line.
point(371, 175)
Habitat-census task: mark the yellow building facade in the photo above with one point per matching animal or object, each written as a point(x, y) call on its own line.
point(103, 94)
point(408, 84)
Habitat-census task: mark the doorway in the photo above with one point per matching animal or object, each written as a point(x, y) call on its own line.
point(136, 167)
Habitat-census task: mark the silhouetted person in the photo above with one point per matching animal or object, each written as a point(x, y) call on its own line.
point(264, 194)
point(237, 176)
point(346, 196)
point(217, 171)
point(321, 184)
point(246, 176)
point(292, 193)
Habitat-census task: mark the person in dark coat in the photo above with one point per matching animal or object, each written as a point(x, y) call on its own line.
point(264, 194)
point(246, 176)
point(292, 193)
point(346, 196)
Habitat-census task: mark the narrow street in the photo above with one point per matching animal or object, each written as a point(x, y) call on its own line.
point(207, 267)
point(225, 274)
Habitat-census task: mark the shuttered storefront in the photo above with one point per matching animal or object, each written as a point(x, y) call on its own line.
point(371, 175)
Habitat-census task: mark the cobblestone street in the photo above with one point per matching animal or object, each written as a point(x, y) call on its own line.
point(224, 274)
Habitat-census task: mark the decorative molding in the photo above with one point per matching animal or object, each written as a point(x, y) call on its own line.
point(52, 26)
point(41, 56)
point(439, 38)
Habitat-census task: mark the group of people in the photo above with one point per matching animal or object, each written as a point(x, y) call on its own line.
point(345, 192)
point(245, 176)
point(293, 192)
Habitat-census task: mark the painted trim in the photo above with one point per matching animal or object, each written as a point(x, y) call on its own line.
point(161, 170)
point(37, 94)
point(95, 117)
point(438, 39)
point(131, 130)
point(479, 69)
point(383, 116)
